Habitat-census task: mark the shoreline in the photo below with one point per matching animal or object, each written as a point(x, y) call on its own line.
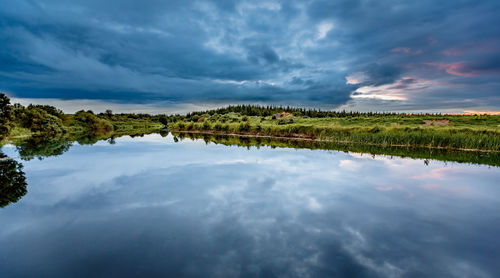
point(299, 137)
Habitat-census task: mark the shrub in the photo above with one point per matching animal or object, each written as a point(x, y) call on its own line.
point(245, 126)
point(90, 121)
point(38, 120)
point(49, 109)
point(163, 119)
point(206, 125)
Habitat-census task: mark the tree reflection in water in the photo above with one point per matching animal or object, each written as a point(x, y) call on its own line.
point(12, 181)
point(41, 147)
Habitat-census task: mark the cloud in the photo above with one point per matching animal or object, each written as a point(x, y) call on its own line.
point(323, 30)
point(469, 69)
point(263, 51)
point(380, 74)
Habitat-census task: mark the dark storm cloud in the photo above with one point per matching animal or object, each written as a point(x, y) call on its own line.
point(382, 74)
point(284, 52)
point(262, 54)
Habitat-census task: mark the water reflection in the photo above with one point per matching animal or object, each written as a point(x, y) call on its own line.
point(41, 147)
point(475, 157)
point(12, 181)
point(151, 207)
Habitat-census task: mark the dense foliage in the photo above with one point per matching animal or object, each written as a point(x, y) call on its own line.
point(39, 120)
point(256, 110)
point(45, 120)
point(5, 115)
point(89, 121)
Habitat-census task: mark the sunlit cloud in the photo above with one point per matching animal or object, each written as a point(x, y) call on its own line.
point(479, 112)
point(466, 69)
point(458, 68)
point(356, 78)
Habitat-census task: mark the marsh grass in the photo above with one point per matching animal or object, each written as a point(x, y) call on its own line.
point(462, 132)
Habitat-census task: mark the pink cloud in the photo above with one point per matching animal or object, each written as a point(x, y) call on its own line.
point(473, 47)
point(457, 68)
point(441, 173)
point(463, 191)
point(406, 50)
point(453, 52)
point(401, 49)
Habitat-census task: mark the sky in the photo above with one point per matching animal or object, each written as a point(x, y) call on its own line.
point(174, 56)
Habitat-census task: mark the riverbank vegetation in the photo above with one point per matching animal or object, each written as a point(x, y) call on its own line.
point(465, 132)
point(477, 132)
point(427, 154)
point(18, 121)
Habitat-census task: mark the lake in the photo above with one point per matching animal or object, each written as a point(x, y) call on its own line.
point(156, 206)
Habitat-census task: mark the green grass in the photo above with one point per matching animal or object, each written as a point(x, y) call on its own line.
point(80, 132)
point(461, 132)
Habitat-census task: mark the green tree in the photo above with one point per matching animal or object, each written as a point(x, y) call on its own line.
point(5, 115)
point(39, 120)
point(49, 109)
point(108, 113)
point(163, 120)
point(90, 121)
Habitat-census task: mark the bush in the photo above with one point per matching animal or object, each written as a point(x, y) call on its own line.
point(38, 120)
point(285, 121)
point(245, 126)
point(90, 121)
point(49, 109)
point(163, 119)
point(206, 125)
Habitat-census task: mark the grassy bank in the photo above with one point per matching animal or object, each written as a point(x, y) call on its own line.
point(18, 122)
point(75, 132)
point(464, 132)
point(475, 132)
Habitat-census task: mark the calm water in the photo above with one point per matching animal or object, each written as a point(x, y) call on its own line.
point(152, 207)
